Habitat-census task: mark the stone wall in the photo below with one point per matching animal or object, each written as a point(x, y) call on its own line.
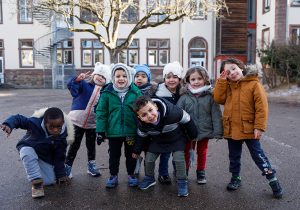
point(25, 78)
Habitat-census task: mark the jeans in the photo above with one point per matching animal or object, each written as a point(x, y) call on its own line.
point(164, 164)
point(36, 168)
point(257, 154)
point(178, 159)
point(90, 142)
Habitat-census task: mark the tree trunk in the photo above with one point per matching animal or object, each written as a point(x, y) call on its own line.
point(113, 56)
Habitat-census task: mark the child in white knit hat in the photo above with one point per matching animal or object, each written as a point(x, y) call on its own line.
point(169, 89)
point(85, 97)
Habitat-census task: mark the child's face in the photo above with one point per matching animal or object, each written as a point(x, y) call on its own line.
point(54, 126)
point(148, 113)
point(172, 81)
point(234, 73)
point(120, 78)
point(99, 80)
point(196, 80)
point(140, 79)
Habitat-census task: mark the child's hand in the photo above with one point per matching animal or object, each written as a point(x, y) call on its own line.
point(100, 137)
point(64, 180)
point(135, 156)
point(257, 133)
point(224, 74)
point(6, 129)
point(83, 76)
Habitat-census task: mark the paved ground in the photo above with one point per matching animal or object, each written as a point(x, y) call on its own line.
point(281, 144)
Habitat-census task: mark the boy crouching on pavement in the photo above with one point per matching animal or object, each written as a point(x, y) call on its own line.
point(165, 126)
point(43, 148)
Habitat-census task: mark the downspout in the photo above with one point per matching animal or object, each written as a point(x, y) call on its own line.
point(213, 47)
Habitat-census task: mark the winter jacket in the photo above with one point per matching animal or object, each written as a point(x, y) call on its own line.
point(245, 106)
point(48, 148)
point(114, 117)
point(85, 97)
point(205, 112)
point(170, 134)
point(148, 89)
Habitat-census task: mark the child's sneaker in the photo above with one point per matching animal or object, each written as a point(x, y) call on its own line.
point(132, 181)
point(276, 188)
point(164, 179)
point(147, 182)
point(92, 169)
point(37, 189)
point(235, 183)
point(112, 182)
point(68, 170)
point(182, 185)
point(201, 179)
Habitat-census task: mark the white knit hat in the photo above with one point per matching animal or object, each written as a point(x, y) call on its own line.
point(174, 68)
point(102, 70)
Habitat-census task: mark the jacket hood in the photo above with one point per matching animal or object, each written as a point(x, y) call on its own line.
point(70, 128)
point(252, 70)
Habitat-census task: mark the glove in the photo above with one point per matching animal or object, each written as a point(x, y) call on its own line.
point(64, 180)
point(100, 137)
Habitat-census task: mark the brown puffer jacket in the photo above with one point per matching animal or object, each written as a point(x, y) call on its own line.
point(245, 106)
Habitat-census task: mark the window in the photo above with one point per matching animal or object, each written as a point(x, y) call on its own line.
point(199, 13)
point(65, 52)
point(295, 3)
point(129, 56)
point(1, 21)
point(26, 53)
point(151, 4)
point(158, 52)
point(131, 14)
point(197, 52)
point(25, 11)
point(265, 39)
point(91, 52)
point(295, 35)
point(266, 6)
point(88, 16)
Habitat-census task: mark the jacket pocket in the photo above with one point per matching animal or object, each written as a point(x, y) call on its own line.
point(226, 125)
point(248, 124)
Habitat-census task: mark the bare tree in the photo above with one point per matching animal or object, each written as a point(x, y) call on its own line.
point(103, 18)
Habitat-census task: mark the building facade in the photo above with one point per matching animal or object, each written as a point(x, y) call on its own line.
point(25, 60)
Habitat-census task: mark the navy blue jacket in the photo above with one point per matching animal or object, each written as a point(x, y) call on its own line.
point(48, 148)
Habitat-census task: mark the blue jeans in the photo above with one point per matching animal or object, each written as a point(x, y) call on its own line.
point(257, 154)
point(164, 164)
point(36, 168)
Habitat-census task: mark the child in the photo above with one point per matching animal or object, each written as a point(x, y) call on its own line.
point(244, 119)
point(142, 79)
point(172, 74)
point(85, 97)
point(115, 121)
point(160, 123)
point(198, 102)
point(43, 148)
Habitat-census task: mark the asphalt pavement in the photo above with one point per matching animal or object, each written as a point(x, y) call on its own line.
point(281, 144)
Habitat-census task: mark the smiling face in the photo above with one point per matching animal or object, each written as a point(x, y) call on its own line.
point(120, 78)
point(99, 80)
point(54, 126)
point(196, 80)
point(140, 79)
point(148, 113)
point(234, 73)
point(172, 81)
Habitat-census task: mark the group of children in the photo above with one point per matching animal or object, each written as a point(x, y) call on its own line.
point(175, 117)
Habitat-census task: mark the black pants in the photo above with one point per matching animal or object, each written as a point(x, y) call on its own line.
point(90, 140)
point(115, 145)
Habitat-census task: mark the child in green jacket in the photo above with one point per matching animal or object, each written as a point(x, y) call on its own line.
point(116, 121)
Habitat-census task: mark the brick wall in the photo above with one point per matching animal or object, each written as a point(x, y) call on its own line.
point(25, 78)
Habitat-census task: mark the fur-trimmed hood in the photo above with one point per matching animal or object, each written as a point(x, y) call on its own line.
point(252, 70)
point(68, 123)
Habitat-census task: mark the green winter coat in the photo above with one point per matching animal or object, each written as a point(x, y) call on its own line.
point(205, 113)
point(115, 118)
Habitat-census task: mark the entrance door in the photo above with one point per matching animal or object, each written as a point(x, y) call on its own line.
point(1, 71)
